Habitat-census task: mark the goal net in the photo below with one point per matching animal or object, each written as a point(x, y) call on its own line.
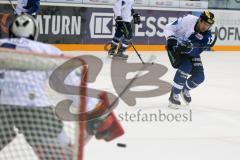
point(30, 129)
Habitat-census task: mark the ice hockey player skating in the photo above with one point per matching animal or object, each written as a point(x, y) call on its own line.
point(187, 38)
point(27, 6)
point(123, 12)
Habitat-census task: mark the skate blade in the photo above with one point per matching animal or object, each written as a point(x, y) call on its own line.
point(186, 103)
point(173, 106)
point(119, 58)
point(109, 56)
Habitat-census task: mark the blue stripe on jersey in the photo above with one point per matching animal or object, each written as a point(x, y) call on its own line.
point(8, 45)
point(1, 75)
point(198, 40)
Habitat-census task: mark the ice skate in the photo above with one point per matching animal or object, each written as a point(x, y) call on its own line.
point(186, 96)
point(174, 101)
point(112, 50)
point(120, 54)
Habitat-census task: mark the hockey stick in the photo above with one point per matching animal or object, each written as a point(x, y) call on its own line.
point(13, 7)
point(109, 43)
point(200, 46)
point(214, 41)
point(137, 53)
point(129, 84)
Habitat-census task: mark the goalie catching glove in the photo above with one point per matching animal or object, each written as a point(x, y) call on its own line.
point(110, 128)
point(106, 127)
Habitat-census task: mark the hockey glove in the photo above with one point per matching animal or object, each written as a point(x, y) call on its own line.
point(185, 47)
point(136, 18)
point(118, 21)
point(118, 18)
point(172, 44)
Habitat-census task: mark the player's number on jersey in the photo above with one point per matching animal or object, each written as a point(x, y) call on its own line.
point(209, 40)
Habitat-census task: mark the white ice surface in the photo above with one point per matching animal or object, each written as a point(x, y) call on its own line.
point(213, 133)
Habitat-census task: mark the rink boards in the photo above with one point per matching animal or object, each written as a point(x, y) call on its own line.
point(89, 27)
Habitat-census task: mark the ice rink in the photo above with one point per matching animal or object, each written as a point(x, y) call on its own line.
point(211, 131)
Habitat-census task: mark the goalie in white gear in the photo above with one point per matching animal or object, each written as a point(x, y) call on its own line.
point(24, 103)
point(24, 27)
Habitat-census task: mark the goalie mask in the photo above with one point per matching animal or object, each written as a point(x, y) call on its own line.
point(24, 26)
